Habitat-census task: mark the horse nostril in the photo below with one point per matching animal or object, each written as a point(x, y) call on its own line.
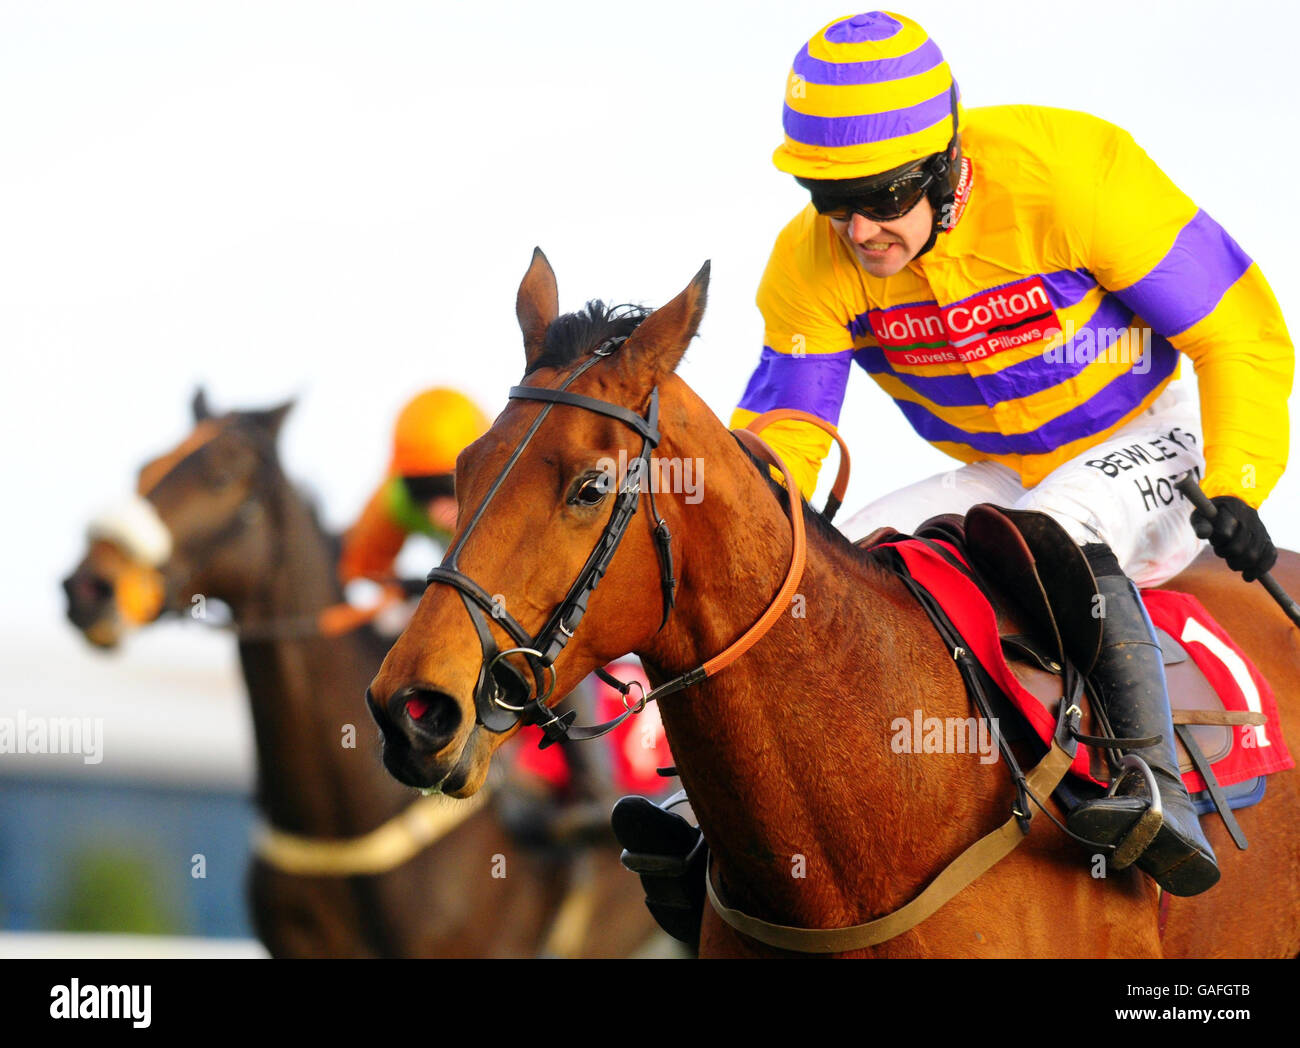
point(88, 598)
point(432, 713)
point(86, 588)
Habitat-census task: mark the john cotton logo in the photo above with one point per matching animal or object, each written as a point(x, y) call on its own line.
point(75, 1001)
point(975, 328)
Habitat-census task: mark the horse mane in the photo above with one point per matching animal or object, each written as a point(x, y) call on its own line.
point(252, 426)
point(816, 523)
point(249, 424)
point(574, 335)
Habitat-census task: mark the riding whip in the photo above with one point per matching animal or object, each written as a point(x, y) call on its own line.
point(1196, 496)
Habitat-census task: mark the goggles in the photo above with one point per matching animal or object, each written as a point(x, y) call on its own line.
point(429, 487)
point(876, 199)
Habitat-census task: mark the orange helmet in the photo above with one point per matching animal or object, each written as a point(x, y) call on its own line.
point(432, 430)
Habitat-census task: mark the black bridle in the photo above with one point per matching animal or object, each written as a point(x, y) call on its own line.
point(502, 694)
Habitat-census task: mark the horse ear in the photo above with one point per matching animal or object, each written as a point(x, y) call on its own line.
point(272, 419)
point(199, 405)
point(536, 305)
point(658, 343)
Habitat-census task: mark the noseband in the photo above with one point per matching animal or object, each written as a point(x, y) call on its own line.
point(501, 694)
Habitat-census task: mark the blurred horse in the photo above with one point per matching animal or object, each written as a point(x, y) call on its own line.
point(350, 863)
point(782, 738)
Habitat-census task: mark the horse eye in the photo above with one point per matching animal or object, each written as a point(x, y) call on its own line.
point(591, 490)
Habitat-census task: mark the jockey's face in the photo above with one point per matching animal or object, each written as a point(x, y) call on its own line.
point(883, 248)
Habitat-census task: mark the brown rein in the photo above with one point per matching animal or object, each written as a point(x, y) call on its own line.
point(798, 555)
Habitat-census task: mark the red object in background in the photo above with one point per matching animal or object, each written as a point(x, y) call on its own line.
point(635, 748)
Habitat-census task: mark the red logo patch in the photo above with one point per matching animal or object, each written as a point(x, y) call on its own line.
point(975, 328)
point(962, 194)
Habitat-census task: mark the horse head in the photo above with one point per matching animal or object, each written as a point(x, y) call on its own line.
point(548, 503)
point(198, 526)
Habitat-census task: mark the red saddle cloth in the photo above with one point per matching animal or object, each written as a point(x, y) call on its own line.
point(1256, 751)
point(634, 749)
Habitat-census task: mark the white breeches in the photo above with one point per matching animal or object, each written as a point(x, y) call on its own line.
point(1120, 492)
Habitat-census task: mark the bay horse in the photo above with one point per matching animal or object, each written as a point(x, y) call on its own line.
point(240, 533)
point(811, 818)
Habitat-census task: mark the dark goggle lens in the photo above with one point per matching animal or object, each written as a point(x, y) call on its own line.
point(892, 200)
point(429, 487)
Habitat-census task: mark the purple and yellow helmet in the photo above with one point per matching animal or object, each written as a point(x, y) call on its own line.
point(867, 94)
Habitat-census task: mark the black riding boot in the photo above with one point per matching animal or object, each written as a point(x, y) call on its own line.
point(671, 858)
point(1130, 677)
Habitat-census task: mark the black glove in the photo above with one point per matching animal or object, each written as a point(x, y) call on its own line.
point(1238, 536)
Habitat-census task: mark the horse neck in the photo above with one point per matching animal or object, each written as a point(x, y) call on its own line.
point(306, 690)
point(786, 754)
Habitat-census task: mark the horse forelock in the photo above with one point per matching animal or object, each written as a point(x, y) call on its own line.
point(573, 336)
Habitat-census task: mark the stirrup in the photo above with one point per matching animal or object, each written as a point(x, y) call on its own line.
point(1139, 838)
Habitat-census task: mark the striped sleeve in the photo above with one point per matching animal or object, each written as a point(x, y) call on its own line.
point(1184, 276)
point(806, 356)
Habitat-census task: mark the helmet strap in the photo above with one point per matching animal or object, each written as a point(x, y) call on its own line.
point(945, 172)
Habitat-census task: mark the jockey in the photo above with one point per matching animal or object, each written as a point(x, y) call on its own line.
point(1023, 281)
point(418, 497)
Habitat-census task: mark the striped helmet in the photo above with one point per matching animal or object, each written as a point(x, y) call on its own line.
point(867, 94)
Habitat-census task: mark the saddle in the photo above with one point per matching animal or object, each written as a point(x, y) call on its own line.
point(1044, 597)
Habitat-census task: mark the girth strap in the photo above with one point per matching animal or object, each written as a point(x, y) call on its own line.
point(979, 685)
point(958, 874)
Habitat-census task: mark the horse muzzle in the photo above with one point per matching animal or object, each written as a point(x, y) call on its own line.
point(424, 736)
point(92, 607)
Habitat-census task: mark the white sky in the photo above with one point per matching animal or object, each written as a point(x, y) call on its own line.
point(337, 200)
